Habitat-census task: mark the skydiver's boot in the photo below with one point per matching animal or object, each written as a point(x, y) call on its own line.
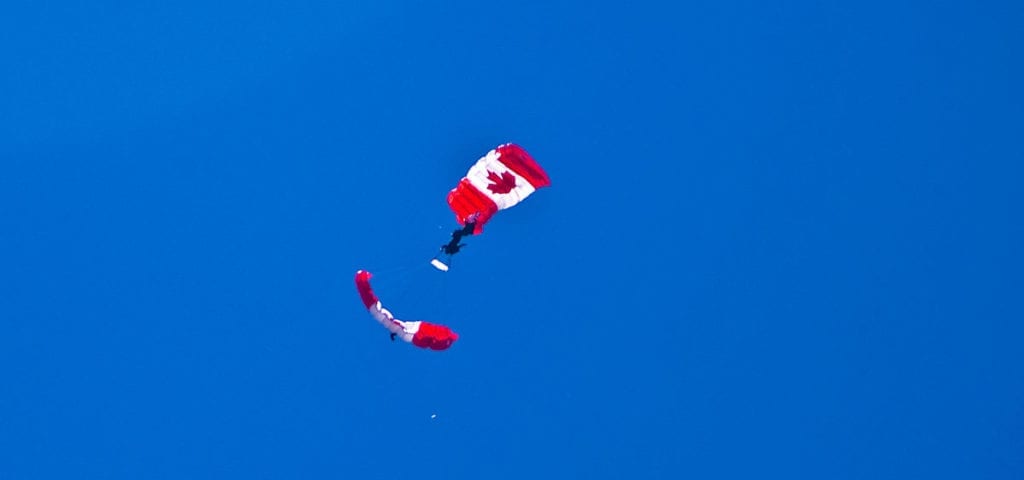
point(393, 337)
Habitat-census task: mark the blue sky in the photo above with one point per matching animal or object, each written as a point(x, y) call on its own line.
point(782, 240)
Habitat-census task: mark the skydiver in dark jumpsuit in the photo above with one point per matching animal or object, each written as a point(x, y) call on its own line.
point(453, 246)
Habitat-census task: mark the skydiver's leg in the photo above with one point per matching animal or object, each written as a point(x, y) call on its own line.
point(452, 246)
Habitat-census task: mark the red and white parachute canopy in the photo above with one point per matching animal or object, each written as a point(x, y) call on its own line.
point(499, 180)
point(421, 334)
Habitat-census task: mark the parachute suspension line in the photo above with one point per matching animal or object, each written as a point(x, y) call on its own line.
point(399, 280)
point(396, 270)
point(403, 289)
point(413, 280)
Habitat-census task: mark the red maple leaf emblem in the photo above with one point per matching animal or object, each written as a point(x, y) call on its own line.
point(501, 184)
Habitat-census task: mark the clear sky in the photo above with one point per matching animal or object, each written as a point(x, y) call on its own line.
point(782, 240)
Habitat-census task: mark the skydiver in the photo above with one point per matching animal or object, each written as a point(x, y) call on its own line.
point(453, 246)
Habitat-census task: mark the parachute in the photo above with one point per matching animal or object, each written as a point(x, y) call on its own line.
point(499, 180)
point(421, 334)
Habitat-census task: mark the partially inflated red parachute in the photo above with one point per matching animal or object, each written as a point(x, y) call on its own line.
point(499, 180)
point(421, 334)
